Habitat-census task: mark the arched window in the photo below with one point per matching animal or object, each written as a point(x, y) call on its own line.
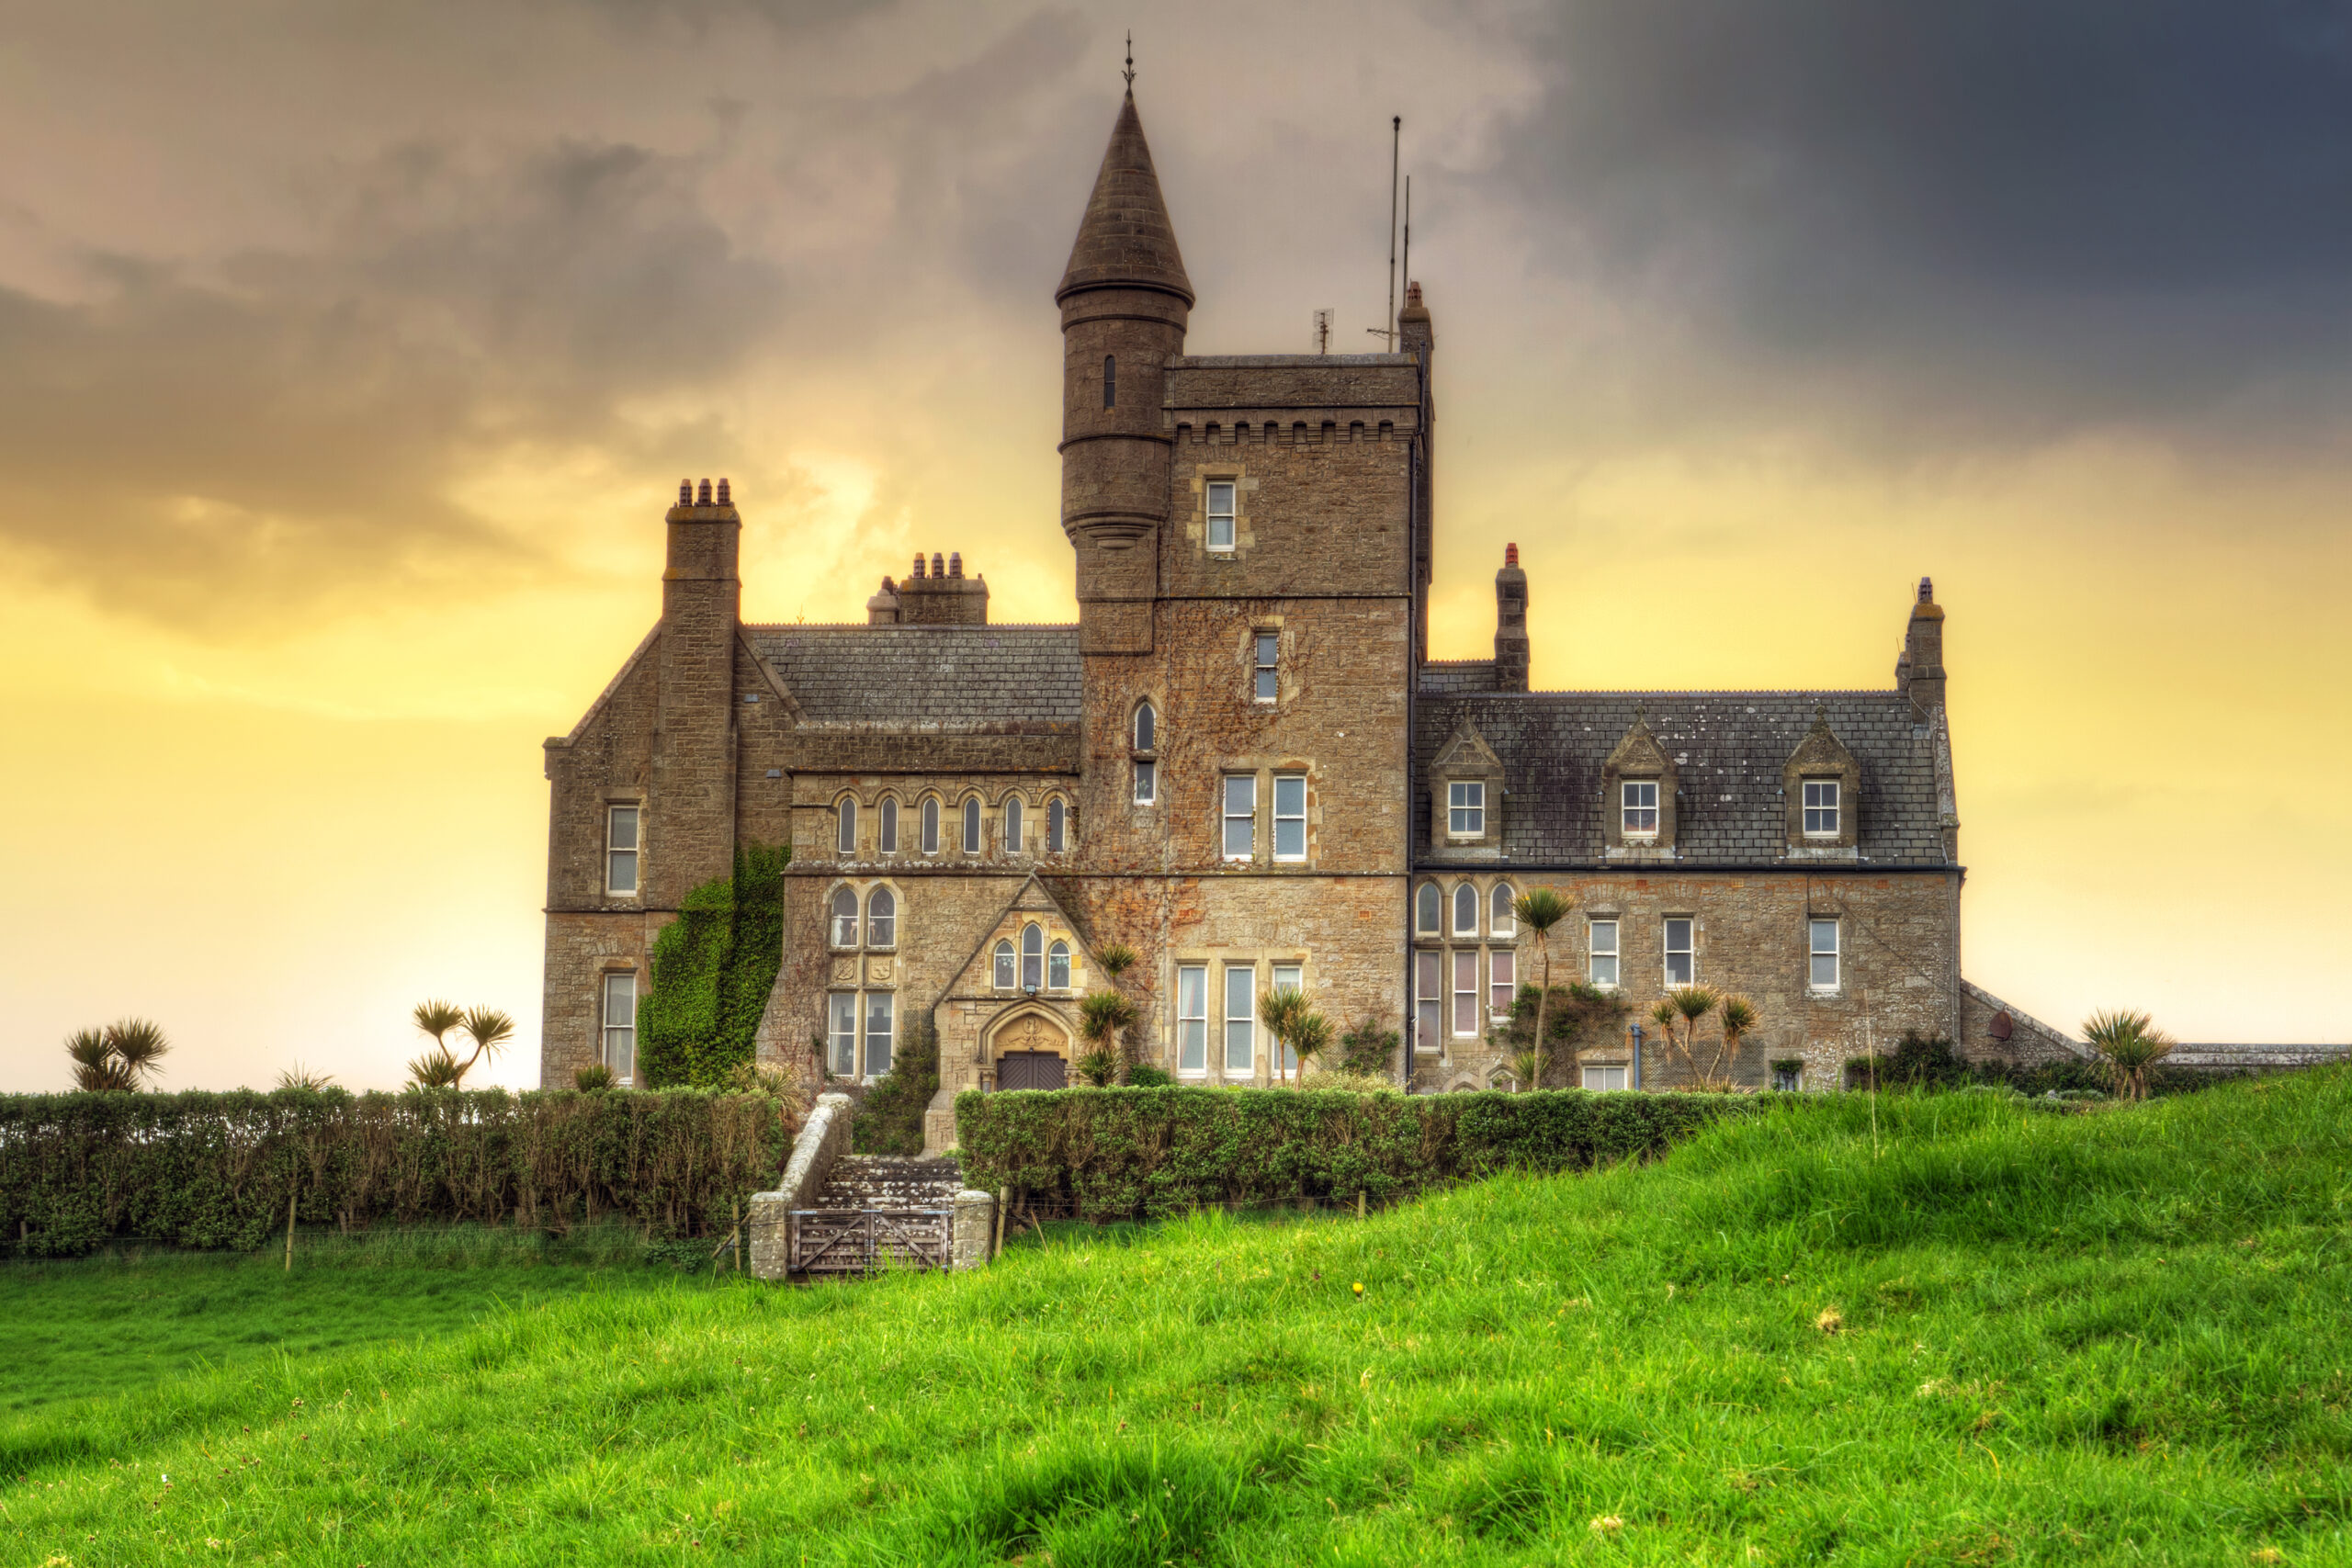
point(845, 837)
point(845, 917)
point(1004, 967)
point(882, 920)
point(971, 826)
point(930, 826)
point(888, 838)
point(1012, 824)
point(1056, 826)
point(1110, 382)
point(1505, 919)
point(1058, 966)
point(1466, 910)
point(1147, 728)
point(1426, 903)
point(1032, 958)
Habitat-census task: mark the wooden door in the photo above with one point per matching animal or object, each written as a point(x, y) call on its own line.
point(1030, 1070)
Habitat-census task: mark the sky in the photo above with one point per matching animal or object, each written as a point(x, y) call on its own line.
point(349, 354)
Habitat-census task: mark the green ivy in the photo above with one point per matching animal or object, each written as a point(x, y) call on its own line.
point(713, 967)
point(1121, 1153)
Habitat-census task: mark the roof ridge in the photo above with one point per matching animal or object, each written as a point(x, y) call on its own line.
point(901, 626)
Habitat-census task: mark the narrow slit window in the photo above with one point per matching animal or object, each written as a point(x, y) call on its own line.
point(1147, 781)
point(880, 1034)
point(842, 1025)
point(1005, 966)
point(1056, 826)
point(1013, 825)
point(1640, 806)
point(1032, 958)
point(1823, 954)
point(882, 920)
point(1221, 514)
point(1502, 968)
point(931, 827)
point(1505, 919)
point(1466, 910)
point(886, 838)
point(971, 826)
point(845, 835)
point(1268, 671)
point(1193, 1018)
point(1681, 961)
point(1429, 1002)
point(1241, 816)
point(1604, 955)
point(1426, 902)
point(1109, 380)
point(1466, 992)
point(1821, 808)
point(1240, 1020)
point(1466, 809)
point(620, 849)
point(1290, 816)
point(1058, 967)
point(845, 917)
point(620, 1027)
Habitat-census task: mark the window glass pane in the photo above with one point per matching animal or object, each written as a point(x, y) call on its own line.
point(1004, 967)
point(624, 827)
point(1466, 992)
point(1147, 728)
point(1220, 508)
point(1640, 806)
point(1286, 977)
point(1825, 971)
point(620, 871)
point(1110, 382)
point(931, 827)
point(620, 857)
point(1500, 967)
point(1240, 1018)
point(841, 1009)
point(881, 918)
point(1241, 816)
point(1679, 967)
point(1193, 1019)
point(1505, 921)
point(1013, 825)
point(1466, 910)
point(1604, 952)
point(1290, 816)
point(1268, 647)
point(845, 917)
point(877, 1033)
point(889, 834)
point(846, 840)
point(1429, 1006)
point(1465, 809)
point(971, 826)
point(1056, 826)
point(1425, 909)
point(1032, 958)
point(1058, 966)
point(620, 1026)
point(1147, 781)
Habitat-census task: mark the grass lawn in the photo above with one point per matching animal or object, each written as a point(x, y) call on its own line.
point(1985, 1334)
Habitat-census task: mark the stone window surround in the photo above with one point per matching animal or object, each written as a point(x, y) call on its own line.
point(1836, 951)
point(1216, 960)
point(1034, 815)
point(863, 890)
point(1465, 764)
point(633, 800)
point(1261, 820)
point(1196, 526)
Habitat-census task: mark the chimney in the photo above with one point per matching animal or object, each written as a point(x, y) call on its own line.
point(882, 610)
point(1920, 670)
point(1510, 623)
point(918, 563)
point(942, 597)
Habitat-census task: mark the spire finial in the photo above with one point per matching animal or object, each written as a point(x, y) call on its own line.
point(1130, 72)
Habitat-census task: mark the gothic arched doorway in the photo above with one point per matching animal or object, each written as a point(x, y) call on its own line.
point(1031, 1051)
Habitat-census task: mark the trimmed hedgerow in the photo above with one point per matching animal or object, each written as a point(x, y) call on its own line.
point(712, 969)
point(1122, 1152)
point(217, 1169)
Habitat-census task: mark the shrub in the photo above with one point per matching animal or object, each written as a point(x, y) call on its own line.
point(588, 1080)
point(1369, 1049)
point(889, 1119)
point(713, 967)
point(1573, 1016)
point(1146, 1075)
point(217, 1169)
point(1119, 1153)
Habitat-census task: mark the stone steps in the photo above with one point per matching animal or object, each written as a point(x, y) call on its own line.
point(889, 1181)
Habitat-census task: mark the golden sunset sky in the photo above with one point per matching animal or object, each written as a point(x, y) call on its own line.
point(349, 354)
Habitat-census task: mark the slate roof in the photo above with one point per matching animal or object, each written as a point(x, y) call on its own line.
point(1728, 749)
point(1450, 677)
point(985, 679)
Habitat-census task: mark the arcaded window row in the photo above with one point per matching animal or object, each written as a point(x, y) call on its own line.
point(963, 823)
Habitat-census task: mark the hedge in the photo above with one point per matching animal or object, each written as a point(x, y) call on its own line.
point(216, 1170)
point(1123, 1153)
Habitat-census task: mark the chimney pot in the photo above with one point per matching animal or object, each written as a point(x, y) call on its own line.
point(1927, 591)
point(955, 564)
point(686, 493)
point(1510, 555)
point(722, 494)
point(918, 563)
point(702, 495)
point(938, 565)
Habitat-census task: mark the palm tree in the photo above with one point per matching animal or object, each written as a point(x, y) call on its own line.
point(1310, 1036)
point(1736, 1016)
point(489, 1029)
point(1101, 1016)
point(1279, 1010)
point(1539, 909)
point(300, 1077)
point(117, 1058)
point(1115, 959)
point(2131, 1043)
point(1677, 1013)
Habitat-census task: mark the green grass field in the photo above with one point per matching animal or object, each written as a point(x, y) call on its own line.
point(1987, 1334)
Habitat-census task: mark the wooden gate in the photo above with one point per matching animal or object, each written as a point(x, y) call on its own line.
point(859, 1241)
point(1032, 1069)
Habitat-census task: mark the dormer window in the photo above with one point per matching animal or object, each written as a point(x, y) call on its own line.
point(1821, 808)
point(1638, 803)
point(1221, 515)
point(1465, 809)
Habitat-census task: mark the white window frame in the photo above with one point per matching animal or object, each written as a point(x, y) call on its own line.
point(634, 850)
point(1227, 816)
point(1604, 1079)
point(1265, 665)
point(1057, 965)
point(1193, 1019)
point(1502, 982)
point(1221, 503)
point(1814, 952)
point(1005, 964)
point(840, 1020)
point(1285, 817)
point(1287, 977)
point(883, 1003)
point(1615, 952)
point(930, 825)
point(1242, 1027)
point(1012, 812)
point(1465, 892)
point(843, 926)
point(845, 825)
point(619, 1044)
point(1464, 961)
point(1056, 826)
point(882, 918)
point(975, 831)
point(1429, 1000)
point(1465, 809)
point(1147, 781)
point(1829, 811)
point(885, 838)
point(1630, 799)
point(1687, 951)
point(1502, 911)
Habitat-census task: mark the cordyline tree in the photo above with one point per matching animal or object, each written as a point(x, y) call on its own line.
point(1101, 1016)
point(1297, 1029)
point(1679, 1015)
point(119, 1058)
point(488, 1029)
point(2131, 1045)
point(1539, 909)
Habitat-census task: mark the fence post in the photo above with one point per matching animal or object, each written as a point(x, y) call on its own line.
point(1003, 1202)
point(1359, 1202)
point(738, 1206)
point(291, 1192)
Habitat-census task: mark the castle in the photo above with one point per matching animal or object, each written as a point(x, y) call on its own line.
point(1241, 765)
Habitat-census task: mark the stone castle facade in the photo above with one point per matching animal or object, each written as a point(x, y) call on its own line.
point(1241, 765)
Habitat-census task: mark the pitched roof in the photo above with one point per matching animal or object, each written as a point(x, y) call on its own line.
point(990, 678)
point(1728, 749)
point(1126, 239)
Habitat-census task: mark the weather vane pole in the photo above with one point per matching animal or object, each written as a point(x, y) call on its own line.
point(1130, 72)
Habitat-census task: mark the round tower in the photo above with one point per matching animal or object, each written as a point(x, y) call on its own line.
point(1125, 302)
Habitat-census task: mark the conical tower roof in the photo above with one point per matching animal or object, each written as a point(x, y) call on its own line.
point(1125, 239)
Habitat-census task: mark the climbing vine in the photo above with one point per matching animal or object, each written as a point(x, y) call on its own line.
point(713, 967)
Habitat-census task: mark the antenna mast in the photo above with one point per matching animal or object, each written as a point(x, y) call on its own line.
point(1408, 231)
point(1396, 144)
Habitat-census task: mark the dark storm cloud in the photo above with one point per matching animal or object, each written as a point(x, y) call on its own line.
point(1998, 214)
point(280, 434)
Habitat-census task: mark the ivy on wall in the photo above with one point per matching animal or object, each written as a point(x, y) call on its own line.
point(713, 967)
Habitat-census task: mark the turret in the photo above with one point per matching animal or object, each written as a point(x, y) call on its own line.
point(1125, 301)
point(1510, 623)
